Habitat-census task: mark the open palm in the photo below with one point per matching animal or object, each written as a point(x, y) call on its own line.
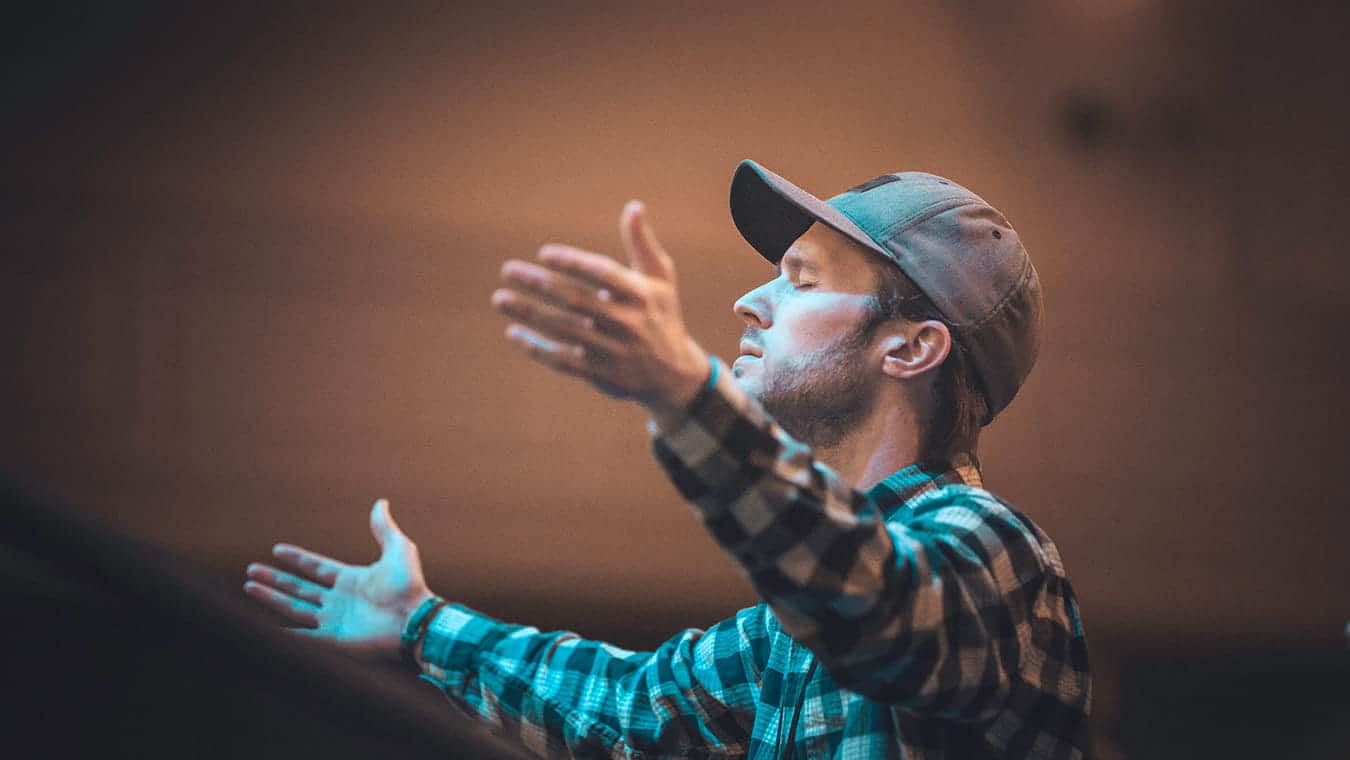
point(359, 608)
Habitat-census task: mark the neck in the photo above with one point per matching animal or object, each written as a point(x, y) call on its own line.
point(880, 446)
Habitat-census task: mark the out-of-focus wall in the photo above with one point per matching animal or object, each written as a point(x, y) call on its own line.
point(248, 257)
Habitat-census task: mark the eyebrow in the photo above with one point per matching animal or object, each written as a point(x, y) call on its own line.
point(795, 259)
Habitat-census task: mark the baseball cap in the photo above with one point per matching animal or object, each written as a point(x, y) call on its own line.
point(960, 251)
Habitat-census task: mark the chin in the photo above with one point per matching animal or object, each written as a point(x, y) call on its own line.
point(751, 385)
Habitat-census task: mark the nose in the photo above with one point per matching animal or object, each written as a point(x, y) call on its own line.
point(753, 307)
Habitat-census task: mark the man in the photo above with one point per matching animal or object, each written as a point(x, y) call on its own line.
point(907, 612)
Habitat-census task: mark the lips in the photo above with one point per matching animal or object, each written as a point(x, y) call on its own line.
point(750, 349)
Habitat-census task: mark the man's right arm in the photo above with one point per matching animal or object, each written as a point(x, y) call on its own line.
point(558, 693)
point(554, 691)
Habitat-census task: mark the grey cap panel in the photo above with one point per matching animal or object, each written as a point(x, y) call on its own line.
point(1006, 345)
point(907, 197)
point(958, 261)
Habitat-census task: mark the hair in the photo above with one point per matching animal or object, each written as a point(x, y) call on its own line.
point(959, 406)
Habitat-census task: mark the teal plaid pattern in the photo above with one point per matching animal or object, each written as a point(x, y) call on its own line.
point(925, 618)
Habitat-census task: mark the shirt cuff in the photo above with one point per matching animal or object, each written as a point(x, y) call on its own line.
point(719, 397)
point(454, 641)
point(725, 441)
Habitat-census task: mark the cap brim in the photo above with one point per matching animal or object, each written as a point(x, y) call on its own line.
point(771, 212)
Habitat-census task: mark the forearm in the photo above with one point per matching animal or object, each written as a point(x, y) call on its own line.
point(560, 693)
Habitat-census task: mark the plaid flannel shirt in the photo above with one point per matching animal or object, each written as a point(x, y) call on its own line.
point(923, 619)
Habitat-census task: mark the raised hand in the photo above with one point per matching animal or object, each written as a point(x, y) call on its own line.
point(361, 609)
point(619, 327)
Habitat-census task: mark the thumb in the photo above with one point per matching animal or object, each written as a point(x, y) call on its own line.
point(382, 524)
point(645, 253)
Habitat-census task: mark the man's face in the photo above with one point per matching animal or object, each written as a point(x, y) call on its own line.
point(817, 371)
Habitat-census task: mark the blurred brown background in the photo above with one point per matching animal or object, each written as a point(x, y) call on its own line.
point(248, 254)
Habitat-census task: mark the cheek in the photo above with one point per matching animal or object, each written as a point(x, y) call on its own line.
point(813, 322)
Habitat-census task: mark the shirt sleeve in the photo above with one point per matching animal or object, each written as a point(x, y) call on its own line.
point(559, 694)
point(930, 613)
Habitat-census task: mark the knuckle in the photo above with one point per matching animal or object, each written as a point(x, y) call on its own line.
point(531, 280)
point(630, 324)
point(574, 295)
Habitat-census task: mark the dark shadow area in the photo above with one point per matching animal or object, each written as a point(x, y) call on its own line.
point(116, 649)
point(1232, 699)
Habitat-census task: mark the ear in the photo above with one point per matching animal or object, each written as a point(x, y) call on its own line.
point(916, 348)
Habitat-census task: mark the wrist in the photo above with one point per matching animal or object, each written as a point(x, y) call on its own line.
point(671, 409)
point(414, 601)
point(415, 624)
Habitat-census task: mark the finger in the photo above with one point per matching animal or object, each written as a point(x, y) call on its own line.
point(568, 358)
point(556, 287)
point(308, 564)
point(308, 633)
point(286, 583)
point(644, 251)
point(559, 324)
point(383, 527)
point(295, 610)
point(601, 271)
point(530, 308)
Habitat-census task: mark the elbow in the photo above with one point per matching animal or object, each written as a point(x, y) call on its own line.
point(954, 675)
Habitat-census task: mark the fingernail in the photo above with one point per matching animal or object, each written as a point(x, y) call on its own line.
point(605, 295)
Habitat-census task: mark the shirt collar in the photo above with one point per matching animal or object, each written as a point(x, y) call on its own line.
point(901, 487)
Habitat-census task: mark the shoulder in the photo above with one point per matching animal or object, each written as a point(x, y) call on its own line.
point(982, 521)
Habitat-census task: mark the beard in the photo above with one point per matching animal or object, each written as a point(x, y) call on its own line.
point(822, 396)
